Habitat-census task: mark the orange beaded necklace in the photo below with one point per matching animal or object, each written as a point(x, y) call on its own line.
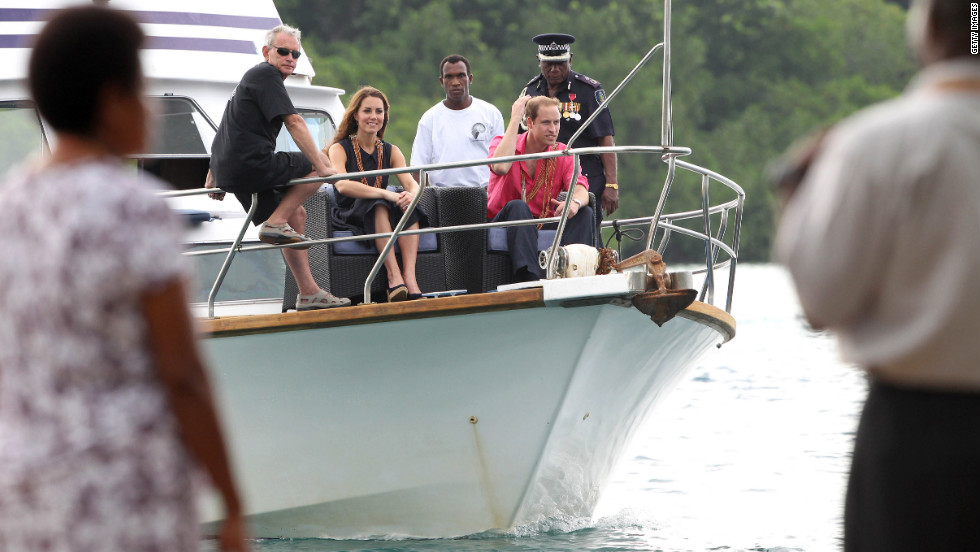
point(360, 165)
point(543, 178)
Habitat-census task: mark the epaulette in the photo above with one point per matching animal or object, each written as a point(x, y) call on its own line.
point(534, 80)
point(588, 80)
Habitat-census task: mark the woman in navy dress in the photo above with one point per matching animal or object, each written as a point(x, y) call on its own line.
point(366, 206)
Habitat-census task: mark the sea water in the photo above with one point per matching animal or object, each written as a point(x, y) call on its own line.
point(749, 453)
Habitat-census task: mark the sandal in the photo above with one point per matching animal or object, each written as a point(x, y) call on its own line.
point(397, 293)
point(281, 234)
point(320, 300)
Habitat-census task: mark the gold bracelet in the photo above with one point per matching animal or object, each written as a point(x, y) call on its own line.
point(612, 185)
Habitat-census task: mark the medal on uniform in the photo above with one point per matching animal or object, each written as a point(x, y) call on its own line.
point(567, 106)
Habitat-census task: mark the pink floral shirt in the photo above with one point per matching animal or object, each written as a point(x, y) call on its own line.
point(508, 187)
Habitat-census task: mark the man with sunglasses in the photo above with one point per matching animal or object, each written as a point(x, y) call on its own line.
point(244, 160)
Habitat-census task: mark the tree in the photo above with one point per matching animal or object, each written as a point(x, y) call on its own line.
point(748, 76)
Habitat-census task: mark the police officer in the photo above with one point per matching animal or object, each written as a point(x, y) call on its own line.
point(579, 97)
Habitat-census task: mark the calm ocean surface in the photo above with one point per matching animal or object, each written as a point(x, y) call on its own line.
point(749, 453)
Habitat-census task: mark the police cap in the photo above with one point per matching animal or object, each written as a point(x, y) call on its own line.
point(554, 46)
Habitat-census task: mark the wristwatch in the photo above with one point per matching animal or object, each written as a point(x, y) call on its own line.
point(612, 185)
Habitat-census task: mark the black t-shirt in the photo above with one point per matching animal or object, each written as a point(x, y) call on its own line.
point(243, 148)
point(579, 97)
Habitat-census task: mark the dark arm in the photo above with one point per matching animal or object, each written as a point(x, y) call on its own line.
point(181, 371)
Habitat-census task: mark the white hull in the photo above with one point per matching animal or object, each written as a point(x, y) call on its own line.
point(365, 430)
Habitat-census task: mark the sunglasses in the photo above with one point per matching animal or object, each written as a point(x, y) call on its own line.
point(286, 51)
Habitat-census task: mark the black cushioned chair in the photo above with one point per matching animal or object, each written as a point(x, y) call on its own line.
point(445, 261)
point(465, 250)
point(497, 266)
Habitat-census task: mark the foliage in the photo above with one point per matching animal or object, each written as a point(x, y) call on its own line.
point(749, 76)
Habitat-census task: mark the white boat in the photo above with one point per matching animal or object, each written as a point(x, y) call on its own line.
point(435, 418)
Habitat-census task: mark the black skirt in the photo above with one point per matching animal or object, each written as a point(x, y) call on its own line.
point(915, 473)
point(358, 217)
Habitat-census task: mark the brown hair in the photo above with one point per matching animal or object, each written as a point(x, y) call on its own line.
point(348, 125)
point(535, 104)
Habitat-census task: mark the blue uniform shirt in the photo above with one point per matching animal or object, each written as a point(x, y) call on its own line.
point(579, 97)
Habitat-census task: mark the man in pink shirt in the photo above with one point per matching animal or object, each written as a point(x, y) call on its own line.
point(529, 189)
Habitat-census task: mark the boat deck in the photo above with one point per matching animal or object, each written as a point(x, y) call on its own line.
point(229, 326)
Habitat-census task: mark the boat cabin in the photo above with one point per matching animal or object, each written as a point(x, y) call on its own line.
point(193, 60)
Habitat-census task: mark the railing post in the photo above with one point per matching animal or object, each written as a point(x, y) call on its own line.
point(668, 182)
point(708, 248)
point(231, 255)
point(735, 238)
point(424, 177)
point(666, 111)
point(552, 258)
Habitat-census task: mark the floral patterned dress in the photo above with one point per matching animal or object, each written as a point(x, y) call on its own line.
point(90, 458)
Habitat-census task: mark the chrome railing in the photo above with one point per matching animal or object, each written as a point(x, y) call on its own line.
point(714, 244)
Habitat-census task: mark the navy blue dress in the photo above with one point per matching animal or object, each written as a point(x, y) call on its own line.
point(357, 214)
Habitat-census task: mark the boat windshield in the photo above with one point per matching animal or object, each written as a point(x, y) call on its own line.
point(321, 127)
point(21, 133)
point(180, 148)
point(180, 128)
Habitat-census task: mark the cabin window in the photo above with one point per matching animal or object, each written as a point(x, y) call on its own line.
point(180, 128)
point(321, 127)
point(180, 151)
point(21, 133)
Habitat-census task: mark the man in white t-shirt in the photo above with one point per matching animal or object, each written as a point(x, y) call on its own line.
point(458, 128)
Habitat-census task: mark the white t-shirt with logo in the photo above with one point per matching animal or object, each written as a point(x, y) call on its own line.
point(445, 135)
